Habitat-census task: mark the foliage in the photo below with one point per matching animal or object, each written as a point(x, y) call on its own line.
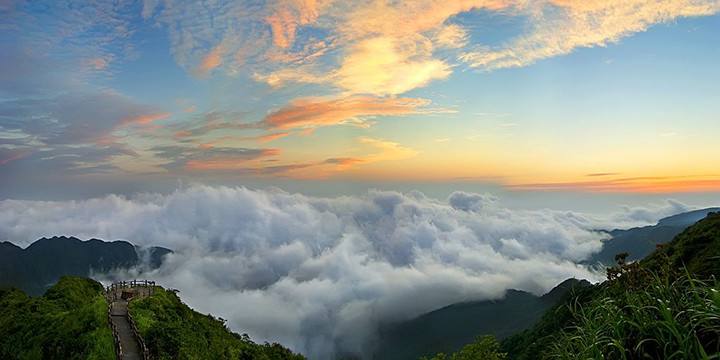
point(663, 319)
point(666, 306)
point(484, 347)
point(68, 322)
point(172, 330)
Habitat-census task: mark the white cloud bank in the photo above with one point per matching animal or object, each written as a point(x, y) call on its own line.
point(320, 274)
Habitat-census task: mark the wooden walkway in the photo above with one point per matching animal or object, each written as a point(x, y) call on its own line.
point(129, 345)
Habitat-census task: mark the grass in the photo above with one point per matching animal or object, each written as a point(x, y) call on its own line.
point(68, 322)
point(665, 318)
point(172, 330)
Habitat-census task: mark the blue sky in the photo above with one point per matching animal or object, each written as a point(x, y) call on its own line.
point(521, 96)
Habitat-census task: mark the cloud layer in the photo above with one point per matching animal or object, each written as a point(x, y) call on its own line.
point(321, 274)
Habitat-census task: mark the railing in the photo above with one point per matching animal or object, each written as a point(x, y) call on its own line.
point(130, 284)
point(111, 293)
point(116, 337)
point(136, 333)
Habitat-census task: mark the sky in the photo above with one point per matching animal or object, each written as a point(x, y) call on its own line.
point(616, 97)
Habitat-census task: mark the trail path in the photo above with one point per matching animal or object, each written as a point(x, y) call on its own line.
point(129, 344)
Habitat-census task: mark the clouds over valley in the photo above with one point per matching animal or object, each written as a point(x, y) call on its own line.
point(321, 274)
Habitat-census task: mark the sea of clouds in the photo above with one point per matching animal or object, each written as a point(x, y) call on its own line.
point(320, 275)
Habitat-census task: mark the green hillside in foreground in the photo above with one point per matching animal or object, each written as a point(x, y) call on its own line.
point(666, 306)
point(174, 331)
point(70, 322)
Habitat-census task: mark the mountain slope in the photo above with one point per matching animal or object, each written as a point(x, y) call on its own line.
point(641, 241)
point(172, 330)
point(663, 305)
point(449, 328)
point(68, 322)
point(41, 264)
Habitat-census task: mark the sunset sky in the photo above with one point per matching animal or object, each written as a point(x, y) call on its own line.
point(555, 95)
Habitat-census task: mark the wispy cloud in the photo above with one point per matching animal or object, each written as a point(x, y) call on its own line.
point(317, 112)
point(561, 26)
point(645, 184)
point(211, 158)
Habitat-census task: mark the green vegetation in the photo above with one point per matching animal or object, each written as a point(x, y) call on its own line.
point(666, 306)
point(448, 329)
point(661, 319)
point(172, 330)
point(68, 322)
point(484, 348)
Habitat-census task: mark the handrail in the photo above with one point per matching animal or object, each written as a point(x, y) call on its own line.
point(130, 284)
point(116, 336)
point(111, 296)
point(136, 333)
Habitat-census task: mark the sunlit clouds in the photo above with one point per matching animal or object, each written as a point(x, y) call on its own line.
point(565, 25)
point(316, 112)
point(373, 90)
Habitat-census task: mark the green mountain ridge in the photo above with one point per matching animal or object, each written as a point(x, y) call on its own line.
point(70, 322)
point(640, 242)
point(664, 306)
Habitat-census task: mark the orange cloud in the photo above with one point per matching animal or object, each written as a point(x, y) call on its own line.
point(400, 19)
point(388, 150)
point(316, 112)
point(659, 184)
point(381, 65)
point(386, 65)
point(289, 15)
point(272, 137)
point(211, 60)
point(344, 163)
point(145, 119)
point(388, 46)
point(228, 162)
point(382, 150)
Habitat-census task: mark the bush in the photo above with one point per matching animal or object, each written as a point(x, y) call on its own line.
point(172, 330)
point(68, 322)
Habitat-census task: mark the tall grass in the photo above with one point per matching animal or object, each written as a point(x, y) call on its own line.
point(645, 315)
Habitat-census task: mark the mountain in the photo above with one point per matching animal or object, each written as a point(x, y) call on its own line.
point(71, 322)
point(449, 328)
point(172, 330)
point(641, 241)
point(43, 262)
point(663, 306)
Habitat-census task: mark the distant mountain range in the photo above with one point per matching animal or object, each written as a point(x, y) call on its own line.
point(641, 241)
point(40, 265)
point(449, 328)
